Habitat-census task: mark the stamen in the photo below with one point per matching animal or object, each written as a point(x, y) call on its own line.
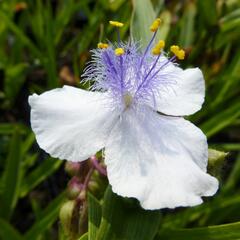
point(158, 48)
point(146, 77)
point(171, 60)
point(147, 48)
point(156, 51)
point(174, 49)
point(155, 25)
point(179, 53)
point(102, 45)
point(119, 51)
point(116, 24)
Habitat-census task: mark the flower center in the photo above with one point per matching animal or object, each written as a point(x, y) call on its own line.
point(127, 97)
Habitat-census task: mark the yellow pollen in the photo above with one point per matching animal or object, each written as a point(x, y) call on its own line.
point(174, 49)
point(156, 51)
point(116, 24)
point(181, 54)
point(102, 45)
point(158, 48)
point(119, 51)
point(161, 44)
point(155, 25)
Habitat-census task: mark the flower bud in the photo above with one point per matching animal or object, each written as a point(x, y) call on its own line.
point(215, 161)
point(93, 186)
point(74, 188)
point(72, 168)
point(66, 216)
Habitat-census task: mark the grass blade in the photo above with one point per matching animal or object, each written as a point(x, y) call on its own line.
point(141, 21)
point(220, 232)
point(49, 216)
point(8, 232)
point(11, 178)
point(94, 216)
point(44, 170)
point(138, 223)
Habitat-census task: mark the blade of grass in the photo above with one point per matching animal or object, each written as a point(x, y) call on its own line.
point(220, 232)
point(21, 35)
point(11, 179)
point(8, 232)
point(138, 223)
point(94, 216)
point(49, 216)
point(141, 22)
point(187, 25)
point(221, 120)
point(44, 170)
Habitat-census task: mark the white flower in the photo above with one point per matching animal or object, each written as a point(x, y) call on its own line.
point(160, 159)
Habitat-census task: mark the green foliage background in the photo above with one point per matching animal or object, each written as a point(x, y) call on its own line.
point(45, 44)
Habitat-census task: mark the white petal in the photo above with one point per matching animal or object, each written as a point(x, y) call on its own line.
point(71, 123)
point(185, 96)
point(159, 160)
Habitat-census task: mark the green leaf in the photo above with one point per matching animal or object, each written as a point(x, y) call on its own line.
point(28, 143)
point(11, 178)
point(231, 21)
point(8, 232)
point(43, 171)
point(141, 22)
point(221, 120)
point(84, 237)
point(49, 216)
point(233, 178)
point(165, 25)
point(187, 25)
point(210, 18)
point(14, 80)
point(94, 216)
point(21, 35)
point(123, 219)
point(9, 128)
point(220, 232)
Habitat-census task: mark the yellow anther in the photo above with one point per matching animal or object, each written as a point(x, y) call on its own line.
point(158, 47)
point(161, 44)
point(155, 25)
point(102, 45)
point(116, 24)
point(174, 49)
point(181, 54)
point(119, 51)
point(156, 51)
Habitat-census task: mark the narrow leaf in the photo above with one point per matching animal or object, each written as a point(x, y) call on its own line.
point(49, 216)
point(8, 232)
point(43, 171)
point(141, 22)
point(11, 179)
point(138, 223)
point(220, 232)
point(221, 120)
point(94, 216)
point(187, 25)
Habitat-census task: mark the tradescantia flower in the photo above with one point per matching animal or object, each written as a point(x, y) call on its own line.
point(134, 112)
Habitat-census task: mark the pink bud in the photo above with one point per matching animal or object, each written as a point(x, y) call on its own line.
point(74, 188)
point(72, 168)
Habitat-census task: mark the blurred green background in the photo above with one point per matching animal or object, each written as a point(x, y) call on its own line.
point(45, 44)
